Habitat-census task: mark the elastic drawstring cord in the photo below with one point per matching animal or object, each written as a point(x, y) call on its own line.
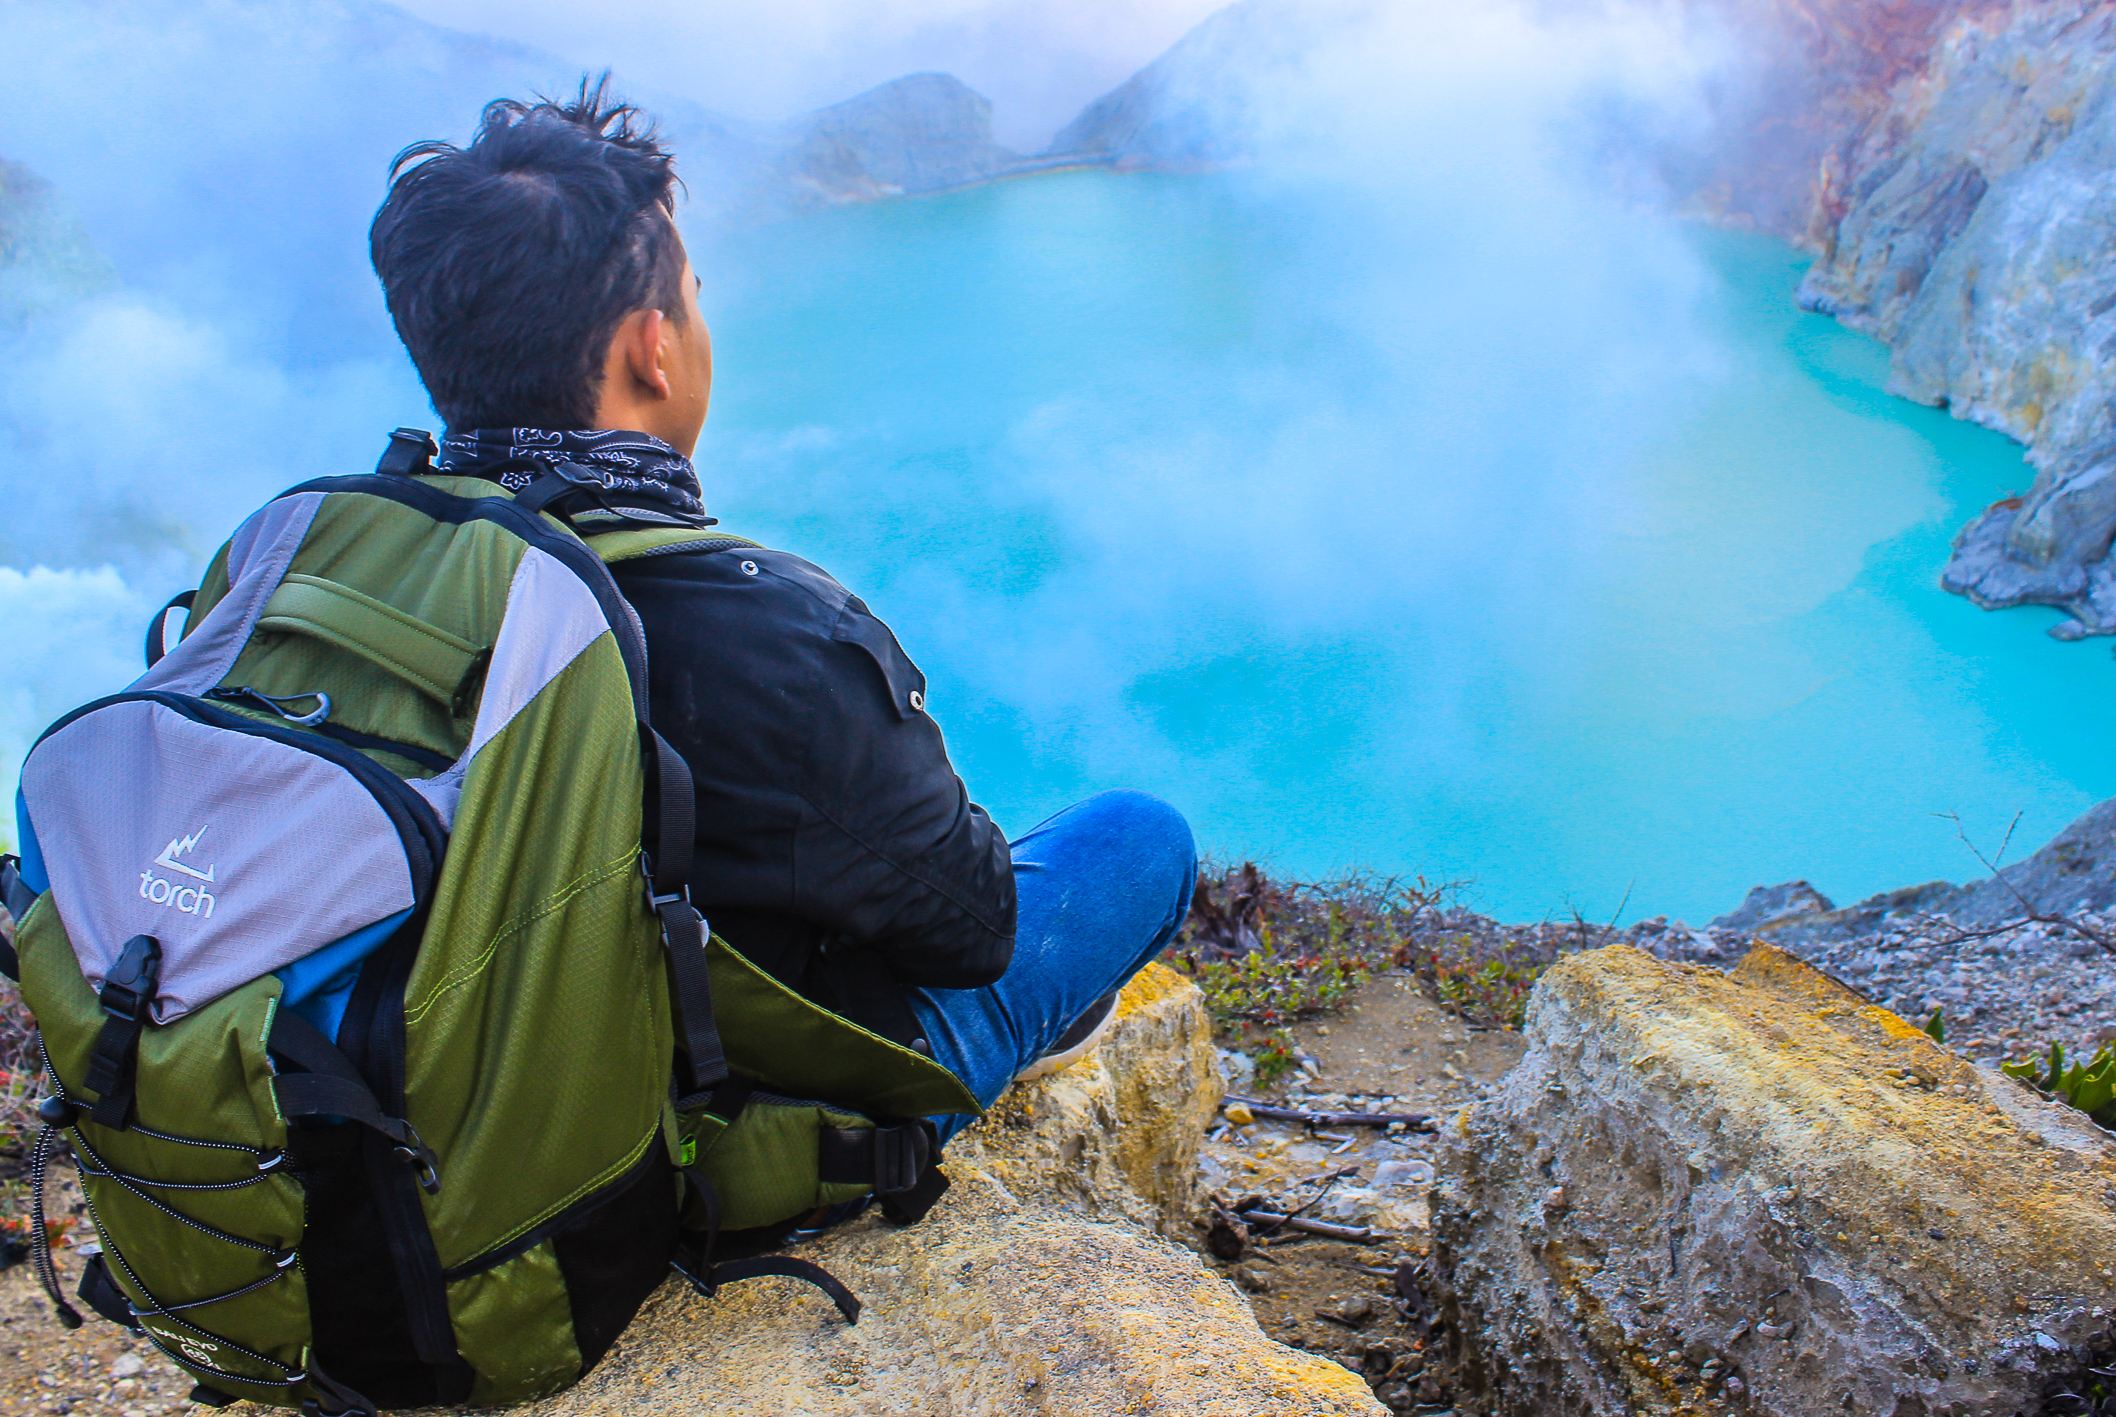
point(39, 1237)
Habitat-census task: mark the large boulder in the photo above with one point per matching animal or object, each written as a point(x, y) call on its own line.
point(1755, 1191)
point(1036, 1286)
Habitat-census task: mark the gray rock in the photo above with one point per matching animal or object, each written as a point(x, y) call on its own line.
point(2076, 872)
point(2073, 875)
point(1403, 1175)
point(1766, 906)
point(1763, 1178)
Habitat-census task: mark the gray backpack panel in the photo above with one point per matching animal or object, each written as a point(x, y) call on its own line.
point(239, 853)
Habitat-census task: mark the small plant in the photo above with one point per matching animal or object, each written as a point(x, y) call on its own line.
point(1493, 992)
point(1936, 1026)
point(1274, 1056)
point(2089, 1086)
point(16, 1228)
point(1268, 953)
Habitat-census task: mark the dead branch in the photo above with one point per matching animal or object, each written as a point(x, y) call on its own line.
point(1413, 1121)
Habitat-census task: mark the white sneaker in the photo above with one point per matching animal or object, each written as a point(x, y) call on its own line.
point(1074, 1043)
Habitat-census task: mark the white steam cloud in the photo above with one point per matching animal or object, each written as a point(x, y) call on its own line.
point(1477, 326)
point(1473, 328)
point(72, 636)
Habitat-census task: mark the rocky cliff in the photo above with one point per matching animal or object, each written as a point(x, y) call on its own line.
point(922, 133)
point(1969, 225)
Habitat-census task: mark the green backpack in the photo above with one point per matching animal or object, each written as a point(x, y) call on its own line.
point(397, 1064)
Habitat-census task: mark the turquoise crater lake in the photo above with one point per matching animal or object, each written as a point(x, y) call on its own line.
point(1574, 566)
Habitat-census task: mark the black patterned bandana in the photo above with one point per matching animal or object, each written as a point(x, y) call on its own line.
point(639, 473)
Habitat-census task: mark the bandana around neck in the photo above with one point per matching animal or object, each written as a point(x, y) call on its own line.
point(639, 472)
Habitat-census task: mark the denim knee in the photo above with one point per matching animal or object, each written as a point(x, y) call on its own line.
point(1156, 834)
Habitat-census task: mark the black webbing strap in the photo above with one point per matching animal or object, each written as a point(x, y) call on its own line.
point(910, 1207)
point(411, 451)
point(158, 627)
point(333, 1087)
point(886, 1159)
point(557, 481)
point(701, 1062)
point(101, 1293)
point(331, 1398)
point(694, 1260)
point(734, 1271)
point(16, 895)
point(725, 1101)
point(113, 1063)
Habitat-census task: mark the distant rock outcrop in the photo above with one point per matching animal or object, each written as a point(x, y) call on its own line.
point(1757, 1191)
point(2075, 874)
point(922, 133)
point(1187, 109)
point(1774, 905)
point(46, 258)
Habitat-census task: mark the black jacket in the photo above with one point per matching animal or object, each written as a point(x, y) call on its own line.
point(837, 848)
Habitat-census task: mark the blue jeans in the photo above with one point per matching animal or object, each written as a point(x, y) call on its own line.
point(1102, 888)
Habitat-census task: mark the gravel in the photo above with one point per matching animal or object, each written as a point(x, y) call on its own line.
point(2001, 992)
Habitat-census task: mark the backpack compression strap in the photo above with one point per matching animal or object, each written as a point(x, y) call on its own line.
point(333, 1087)
point(701, 1062)
point(16, 895)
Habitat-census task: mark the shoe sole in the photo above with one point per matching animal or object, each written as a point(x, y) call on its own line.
point(1051, 1062)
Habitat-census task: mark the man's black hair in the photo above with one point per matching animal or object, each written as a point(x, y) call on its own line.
point(509, 264)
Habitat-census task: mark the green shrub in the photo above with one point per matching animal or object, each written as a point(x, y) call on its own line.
point(1493, 992)
point(1268, 953)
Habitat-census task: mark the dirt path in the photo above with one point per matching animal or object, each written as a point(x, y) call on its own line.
point(1389, 1049)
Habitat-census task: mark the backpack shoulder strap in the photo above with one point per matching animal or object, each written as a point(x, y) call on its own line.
point(633, 542)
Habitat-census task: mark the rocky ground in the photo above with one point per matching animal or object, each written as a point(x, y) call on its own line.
point(98, 1369)
point(2012, 963)
point(2001, 996)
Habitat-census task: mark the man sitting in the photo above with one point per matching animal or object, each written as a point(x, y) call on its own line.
point(538, 280)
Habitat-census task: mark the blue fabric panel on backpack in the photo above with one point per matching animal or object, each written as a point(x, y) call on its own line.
point(32, 868)
point(319, 986)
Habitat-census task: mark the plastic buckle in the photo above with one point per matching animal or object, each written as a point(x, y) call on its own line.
point(129, 987)
point(409, 450)
point(899, 1157)
point(655, 902)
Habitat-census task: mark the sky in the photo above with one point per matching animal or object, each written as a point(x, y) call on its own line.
point(1041, 62)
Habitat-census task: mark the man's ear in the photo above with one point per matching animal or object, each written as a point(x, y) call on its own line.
point(641, 339)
